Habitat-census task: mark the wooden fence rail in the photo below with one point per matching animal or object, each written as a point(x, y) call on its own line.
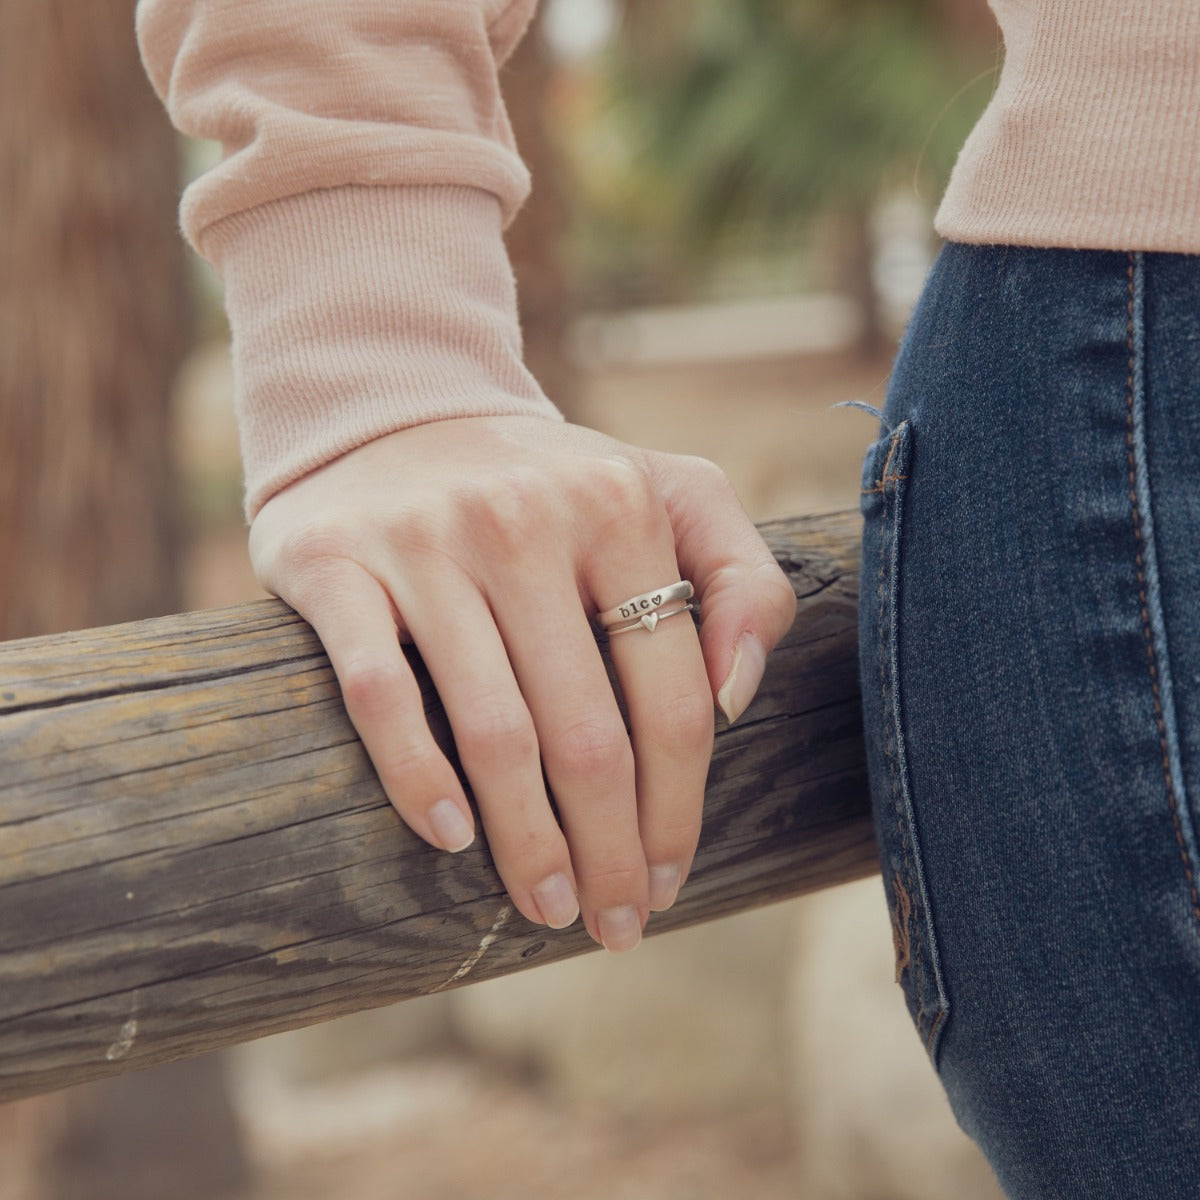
point(195, 851)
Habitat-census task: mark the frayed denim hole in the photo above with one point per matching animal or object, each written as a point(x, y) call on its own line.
point(884, 465)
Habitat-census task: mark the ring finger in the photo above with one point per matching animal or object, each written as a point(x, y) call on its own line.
point(665, 685)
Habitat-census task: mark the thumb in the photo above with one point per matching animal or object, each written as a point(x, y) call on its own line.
point(746, 601)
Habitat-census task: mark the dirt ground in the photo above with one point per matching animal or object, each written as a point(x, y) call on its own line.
point(456, 1129)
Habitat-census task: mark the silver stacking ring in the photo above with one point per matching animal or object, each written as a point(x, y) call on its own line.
point(644, 611)
point(648, 621)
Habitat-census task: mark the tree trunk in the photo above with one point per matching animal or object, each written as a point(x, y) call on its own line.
point(93, 323)
point(535, 238)
point(858, 274)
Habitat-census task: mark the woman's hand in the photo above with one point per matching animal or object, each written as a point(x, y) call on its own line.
point(490, 543)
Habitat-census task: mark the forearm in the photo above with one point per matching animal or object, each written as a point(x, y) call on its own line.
point(357, 214)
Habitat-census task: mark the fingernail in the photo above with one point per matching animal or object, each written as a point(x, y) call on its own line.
point(749, 663)
point(620, 929)
point(664, 886)
point(451, 828)
point(556, 901)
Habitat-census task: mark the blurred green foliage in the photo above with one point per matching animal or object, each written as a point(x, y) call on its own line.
point(725, 127)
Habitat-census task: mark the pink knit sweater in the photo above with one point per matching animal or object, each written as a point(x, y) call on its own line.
point(1092, 138)
point(369, 170)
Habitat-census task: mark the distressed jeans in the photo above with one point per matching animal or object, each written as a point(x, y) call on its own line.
point(1030, 659)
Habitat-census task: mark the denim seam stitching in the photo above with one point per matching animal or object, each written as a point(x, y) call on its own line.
point(889, 736)
point(890, 731)
point(1146, 561)
point(898, 773)
point(918, 912)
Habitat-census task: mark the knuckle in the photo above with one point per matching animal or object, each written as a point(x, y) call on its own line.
point(308, 552)
point(406, 760)
point(496, 732)
point(313, 543)
point(703, 477)
point(677, 838)
point(621, 491)
point(683, 724)
point(529, 856)
point(502, 511)
point(778, 595)
point(369, 687)
point(419, 532)
point(308, 564)
point(593, 747)
point(615, 881)
point(707, 472)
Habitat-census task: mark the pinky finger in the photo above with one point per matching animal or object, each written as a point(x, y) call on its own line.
point(354, 619)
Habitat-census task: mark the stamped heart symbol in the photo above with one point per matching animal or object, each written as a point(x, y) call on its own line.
point(656, 600)
point(650, 620)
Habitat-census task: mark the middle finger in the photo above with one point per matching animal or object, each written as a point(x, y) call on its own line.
point(585, 748)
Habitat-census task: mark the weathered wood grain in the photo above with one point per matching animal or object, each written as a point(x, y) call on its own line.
point(194, 850)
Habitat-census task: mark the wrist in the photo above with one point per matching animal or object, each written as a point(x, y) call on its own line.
point(357, 312)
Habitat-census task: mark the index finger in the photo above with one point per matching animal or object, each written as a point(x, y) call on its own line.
point(354, 618)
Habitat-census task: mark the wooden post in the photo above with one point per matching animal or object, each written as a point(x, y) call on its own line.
point(196, 851)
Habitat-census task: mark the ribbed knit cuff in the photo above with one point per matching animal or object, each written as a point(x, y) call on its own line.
point(358, 311)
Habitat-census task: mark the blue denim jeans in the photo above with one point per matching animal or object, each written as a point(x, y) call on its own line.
point(1030, 657)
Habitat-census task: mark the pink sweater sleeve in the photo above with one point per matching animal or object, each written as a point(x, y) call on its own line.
point(356, 217)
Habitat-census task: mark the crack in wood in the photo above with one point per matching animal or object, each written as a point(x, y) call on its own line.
point(166, 683)
point(472, 960)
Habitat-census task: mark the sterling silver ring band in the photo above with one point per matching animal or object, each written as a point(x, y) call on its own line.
point(647, 621)
point(637, 607)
